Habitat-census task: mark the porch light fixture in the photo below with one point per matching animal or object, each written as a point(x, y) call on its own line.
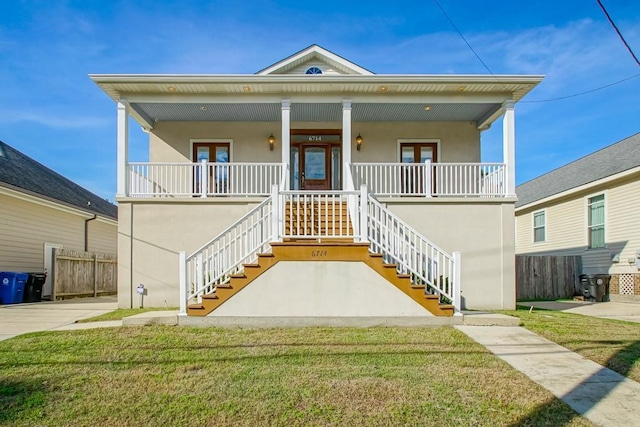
point(358, 142)
point(271, 140)
point(171, 88)
point(427, 108)
point(203, 108)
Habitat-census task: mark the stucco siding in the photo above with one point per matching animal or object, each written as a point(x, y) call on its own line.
point(458, 141)
point(25, 227)
point(483, 233)
point(160, 231)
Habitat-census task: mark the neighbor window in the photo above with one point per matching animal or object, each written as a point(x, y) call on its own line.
point(539, 226)
point(596, 221)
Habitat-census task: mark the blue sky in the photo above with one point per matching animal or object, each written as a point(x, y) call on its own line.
point(51, 111)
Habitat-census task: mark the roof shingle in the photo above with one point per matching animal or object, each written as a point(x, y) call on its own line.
point(20, 171)
point(608, 161)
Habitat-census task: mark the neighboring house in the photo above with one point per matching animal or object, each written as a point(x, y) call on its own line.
point(267, 170)
point(41, 210)
point(588, 208)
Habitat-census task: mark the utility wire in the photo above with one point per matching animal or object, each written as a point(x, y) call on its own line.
point(550, 99)
point(613, 24)
point(583, 93)
point(461, 36)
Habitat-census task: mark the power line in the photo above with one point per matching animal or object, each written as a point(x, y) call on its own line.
point(613, 24)
point(550, 99)
point(583, 93)
point(461, 36)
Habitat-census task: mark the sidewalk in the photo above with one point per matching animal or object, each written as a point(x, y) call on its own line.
point(20, 319)
point(626, 311)
point(599, 394)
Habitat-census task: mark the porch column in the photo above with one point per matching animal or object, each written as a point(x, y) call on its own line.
point(509, 147)
point(346, 135)
point(123, 147)
point(286, 139)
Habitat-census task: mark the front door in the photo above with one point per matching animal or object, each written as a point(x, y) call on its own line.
point(314, 171)
point(315, 160)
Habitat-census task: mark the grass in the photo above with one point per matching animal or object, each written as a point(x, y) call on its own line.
point(124, 312)
point(611, 343)
point(276, 377)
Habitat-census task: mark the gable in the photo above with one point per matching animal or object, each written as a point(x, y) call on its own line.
point(315, 56)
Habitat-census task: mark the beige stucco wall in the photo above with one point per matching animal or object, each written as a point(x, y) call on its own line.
point(566, 227)
point(160, 230)
point(170, 141)
point(26, 226)
point(312, 288)
point(483, 232)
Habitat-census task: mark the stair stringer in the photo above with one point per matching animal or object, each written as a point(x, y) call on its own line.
point(314, 251)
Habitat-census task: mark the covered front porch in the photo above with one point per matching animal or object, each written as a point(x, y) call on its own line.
point(394, 154)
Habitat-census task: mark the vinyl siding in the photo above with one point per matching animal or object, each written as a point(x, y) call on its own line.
point(103, 237)
point(25, 227)
point(567, 227)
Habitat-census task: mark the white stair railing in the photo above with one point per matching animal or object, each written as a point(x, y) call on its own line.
point(214, 263)
point(318, 215)
point(414, 254)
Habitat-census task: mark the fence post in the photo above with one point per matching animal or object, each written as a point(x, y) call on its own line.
point(204, 178)
point(457, 289)
point(428, 173)
point(182, 271)
point(54, 259)
point(364, 214)
point(95, 275)
point(275, 213)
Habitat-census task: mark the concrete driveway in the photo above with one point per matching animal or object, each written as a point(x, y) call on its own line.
point(17, 319)
point(629, 312)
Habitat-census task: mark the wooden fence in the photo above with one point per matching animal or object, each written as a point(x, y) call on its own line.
point(547, 277)
point(77, 273)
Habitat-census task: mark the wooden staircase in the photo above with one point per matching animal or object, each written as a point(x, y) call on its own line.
point(318, 219)
point(327, 250)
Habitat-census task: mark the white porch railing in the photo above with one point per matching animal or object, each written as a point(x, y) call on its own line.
point(202, 179)
point(431, 179)
point(414, 254)
point(318, 215)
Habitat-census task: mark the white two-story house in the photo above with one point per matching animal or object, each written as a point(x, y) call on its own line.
point(316, 188)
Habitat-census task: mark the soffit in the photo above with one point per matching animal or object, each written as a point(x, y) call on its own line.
point(313, 112)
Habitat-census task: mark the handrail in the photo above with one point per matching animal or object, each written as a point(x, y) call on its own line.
point(240, 243)
point(413, 253)
point(318, 215)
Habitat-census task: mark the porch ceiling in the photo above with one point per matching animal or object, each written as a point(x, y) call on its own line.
point(314, 112)
point(156, 98)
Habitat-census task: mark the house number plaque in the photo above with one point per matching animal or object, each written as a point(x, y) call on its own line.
point(318, 254)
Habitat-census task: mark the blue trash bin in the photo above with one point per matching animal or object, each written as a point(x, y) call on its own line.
point(12, 287)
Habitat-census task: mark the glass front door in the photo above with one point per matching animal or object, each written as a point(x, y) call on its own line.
point(212, 152)
point(315, 160)
point(414, 154)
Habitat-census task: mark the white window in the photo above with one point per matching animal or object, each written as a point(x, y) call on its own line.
point(539, 226)
point(595, 210)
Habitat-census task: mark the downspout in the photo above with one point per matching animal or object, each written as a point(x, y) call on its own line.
point(86, 232)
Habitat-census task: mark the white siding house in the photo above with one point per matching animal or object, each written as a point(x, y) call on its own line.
point(590, 208)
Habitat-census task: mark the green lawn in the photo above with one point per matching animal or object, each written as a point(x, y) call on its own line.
point(173, 376)
point(611, 343)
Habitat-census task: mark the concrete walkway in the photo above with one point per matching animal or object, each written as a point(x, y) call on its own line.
point(626, 311)
point(17, 319)
point(601, 395)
